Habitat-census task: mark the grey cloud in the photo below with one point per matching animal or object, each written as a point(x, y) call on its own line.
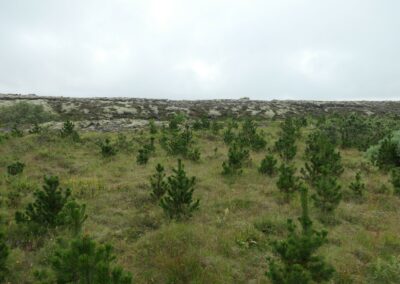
point(287, 49)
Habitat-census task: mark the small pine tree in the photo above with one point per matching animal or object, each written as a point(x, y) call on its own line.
point(143, 156)
point(322, 158)
point(328, 194)
point(395, 180)
point(178, 201)
point(84, 261)
point(68, 130)
point(268, 165)
point(4, 252)
point(357, 186)
point(15, 168)
point(107, 149)
point(287, 182)
point(74, 215)
point(152, 127)
point(388, 155)
point(158, 183)
point(150, 147)
point(286, 144)
point(237, 155)
point(298, 262)
point(194, 154)
point(249, 137)
point(229, 136)
point(49, 203)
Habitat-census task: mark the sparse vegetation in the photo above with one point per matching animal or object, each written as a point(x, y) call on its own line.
point(168, 226)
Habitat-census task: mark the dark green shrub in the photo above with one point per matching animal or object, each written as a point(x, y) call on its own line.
point(286, 143)
point(152, 127)
point(107, 149)
point(297, 260)
point(321, 158)
point(328, 194)
point(388, 155)
point(49, 202)
point(249, 137)
point(4, 252)
point(15, 168)
point(287, 182)
point(68, 131)
point(237, 156)
point(395, 180)
point(357, 187)
point(74, 215)
point(229, 136)
point(143, 156)
point(268, 165)
point(150, 147)
point(24, 113)
point(178, 202)
point(158, 183)
point(84, 261)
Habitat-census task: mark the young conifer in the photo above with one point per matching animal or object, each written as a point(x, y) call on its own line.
point(237, 156)
point(48, 205)
point(85, 261)
point(178, 202)
point(286, 144)
point(357, 187)
point(322, 158)
point(107, 149)
point(4, 252)
point(68, 130)
point(395, 180)
point(268, 165)
point(328, 194)
point(287, 182)
point(15, 168)
point(158, 184)
point(298, 262)
point(143, 156)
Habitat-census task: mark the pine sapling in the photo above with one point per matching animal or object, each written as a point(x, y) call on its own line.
point(85, 261)
point(268, 165)
point(395, 180)
point(158, 183)
point(357, 186)
point(143, 156)
point(69, 131)
point(297, 260)
point(49, 203)
point(178, 202)
point(4, 252)
point(107, 149)
point(287, 182)
point(237, 156)
point(152, 127)
point(74, 215)
point(15, 168)
point(328, 194)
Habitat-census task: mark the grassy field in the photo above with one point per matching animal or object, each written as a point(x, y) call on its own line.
point(226, 241)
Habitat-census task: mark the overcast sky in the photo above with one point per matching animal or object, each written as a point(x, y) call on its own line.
point(189, 49)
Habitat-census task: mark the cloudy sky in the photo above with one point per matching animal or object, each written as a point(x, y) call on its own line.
point(181, 49)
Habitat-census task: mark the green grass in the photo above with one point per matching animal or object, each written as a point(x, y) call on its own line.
point(226, 240)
